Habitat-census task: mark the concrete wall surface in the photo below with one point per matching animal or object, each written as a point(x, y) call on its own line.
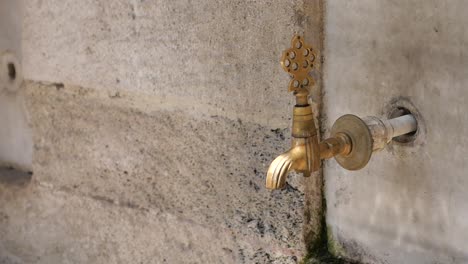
point(15, 135)
point(409, 204)
point(153, 125)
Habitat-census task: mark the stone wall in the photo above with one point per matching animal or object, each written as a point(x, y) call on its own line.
point(409, 204)
point(153, 125)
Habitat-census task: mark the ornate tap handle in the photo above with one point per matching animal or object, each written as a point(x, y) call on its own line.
point(298, 61)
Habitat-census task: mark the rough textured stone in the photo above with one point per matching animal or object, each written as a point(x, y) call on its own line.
point(208, 172)
point(50, 226)
point(409, 204)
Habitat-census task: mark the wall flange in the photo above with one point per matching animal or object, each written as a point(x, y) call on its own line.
point(361, 142)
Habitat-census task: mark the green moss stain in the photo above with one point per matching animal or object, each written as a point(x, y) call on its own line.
point(324, 248)
point(334, 247)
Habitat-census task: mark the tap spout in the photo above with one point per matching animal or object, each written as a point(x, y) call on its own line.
point(279, 169)
point(301, 158)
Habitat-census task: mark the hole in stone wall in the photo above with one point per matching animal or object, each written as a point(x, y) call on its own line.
point(10, 175)
point(401, 111)
point(11, 71)
point(402, 106)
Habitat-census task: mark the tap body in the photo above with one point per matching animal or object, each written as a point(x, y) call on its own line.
point(303, 157)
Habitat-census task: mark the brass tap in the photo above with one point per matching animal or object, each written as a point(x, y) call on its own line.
point(352, 139)
point(304, 155)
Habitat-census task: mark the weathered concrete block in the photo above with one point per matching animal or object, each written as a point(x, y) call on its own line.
point(50, 226)
point(208, 173)
point(409, 204)
point(221, 56)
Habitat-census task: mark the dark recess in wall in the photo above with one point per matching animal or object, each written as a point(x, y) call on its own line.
point(12, 176)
